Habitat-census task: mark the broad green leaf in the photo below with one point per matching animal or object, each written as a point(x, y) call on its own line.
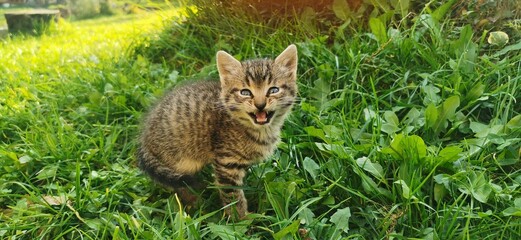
point(315, 132)
point(432, 25)
point(332, 103)
point(374, 168)
point(94, 224)
point(341, 219)
point(389, 128)
point(391, 117)
point(10, 155)
point(408, 129)
point(515, 210)
point(483, 131)
point(309, 18)
point(443, 179)
point(332, 131)
point(414, 147)
point(488, 213)
point(478, 127)
point(378, 30)
point(460, 46)
point(402, 5)
point(409, 148)
point(439, 192)
point(431, 115)
point(512, 211)
point(290, 229)
point(368, 183)
point(446, 111)
point(340, 151)
point(477, 185)
point(47, 172)
point(341, 9)
point(383, 6)
point(441, 11)
point(25, 159)
point(321, 88)
point(395, 149)
point(508, 48)
point(453, 64)
point(476, 92)
point(290, 188)
point(335, 148)
point(329, 201)
point(466, 55)
point(173, 76)
point(448, 108)
point(306, 216)
point(450, 153)
point(95, 98)
point(323, 147)
point(406, 191)
point(311, 167)
point(411, 117)
point(509, 155)
point(226, 232)
point(120, 100)
point(514, 123)
point(305, 106)
point(369, 114)
point(108, 89)
point(517, 202)
point(498, 38)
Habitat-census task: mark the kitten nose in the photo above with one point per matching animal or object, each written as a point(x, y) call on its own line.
point(260, 106)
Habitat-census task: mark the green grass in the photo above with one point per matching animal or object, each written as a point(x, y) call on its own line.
point(410, 135)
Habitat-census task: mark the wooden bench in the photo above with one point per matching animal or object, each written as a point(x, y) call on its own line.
point(31, 21)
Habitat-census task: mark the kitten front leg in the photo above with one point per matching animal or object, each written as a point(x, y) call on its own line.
point(229, 175)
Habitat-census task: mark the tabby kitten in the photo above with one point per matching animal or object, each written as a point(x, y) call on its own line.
point(231, 125)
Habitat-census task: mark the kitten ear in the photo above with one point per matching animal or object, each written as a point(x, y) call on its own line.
point(288, 59)
point(227, 65)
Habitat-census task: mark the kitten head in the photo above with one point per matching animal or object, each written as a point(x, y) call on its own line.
point(259, 92)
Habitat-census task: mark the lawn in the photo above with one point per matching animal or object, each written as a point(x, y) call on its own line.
point(409, 130)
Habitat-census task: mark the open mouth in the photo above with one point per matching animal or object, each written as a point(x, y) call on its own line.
point(261, 117)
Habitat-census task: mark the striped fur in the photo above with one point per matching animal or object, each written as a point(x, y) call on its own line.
point(210, 122)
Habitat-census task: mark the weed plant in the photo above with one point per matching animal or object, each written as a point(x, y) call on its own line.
point(401, 131)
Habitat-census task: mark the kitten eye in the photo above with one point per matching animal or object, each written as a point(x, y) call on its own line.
point(246, 93)
point(273, 90)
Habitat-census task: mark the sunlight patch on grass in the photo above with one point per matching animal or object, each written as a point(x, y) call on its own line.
point(81, 42)
point(78, 50)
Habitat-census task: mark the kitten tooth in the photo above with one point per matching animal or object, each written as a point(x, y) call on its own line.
point(261, 117)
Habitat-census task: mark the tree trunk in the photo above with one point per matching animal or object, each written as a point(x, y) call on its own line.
point(31, 22)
